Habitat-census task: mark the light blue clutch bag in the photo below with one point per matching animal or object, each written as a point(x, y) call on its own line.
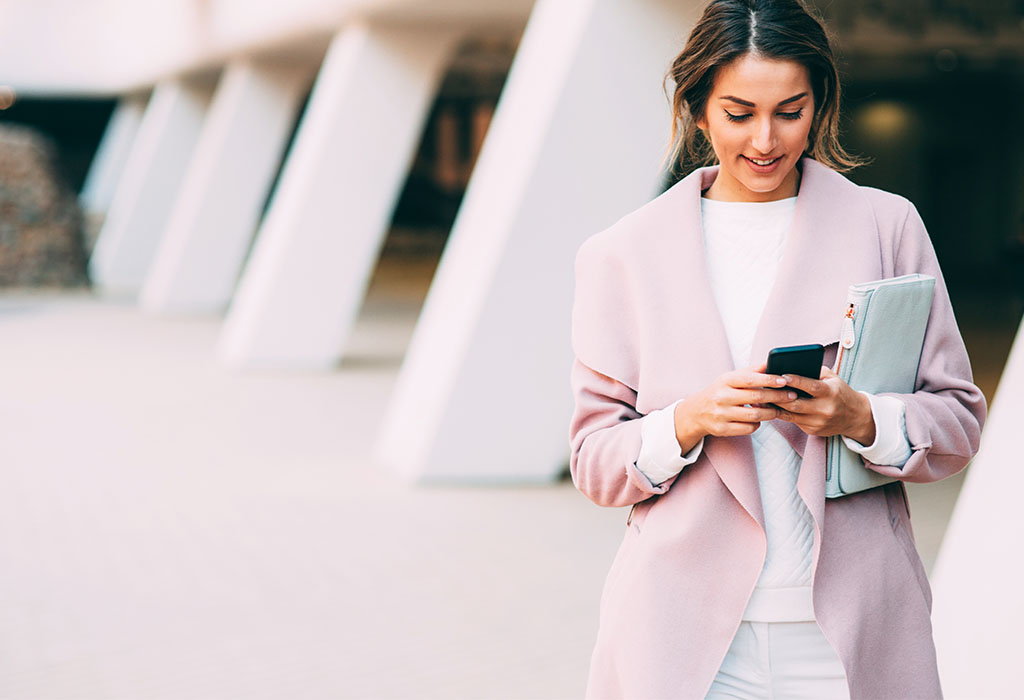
point(879, 350)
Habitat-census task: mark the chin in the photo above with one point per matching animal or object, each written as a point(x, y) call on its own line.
point(763, 187)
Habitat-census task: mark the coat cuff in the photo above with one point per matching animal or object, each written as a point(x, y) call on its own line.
point(660, 457)
point(891, 446)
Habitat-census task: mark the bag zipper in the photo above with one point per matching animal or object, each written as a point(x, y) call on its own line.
point(846, 335)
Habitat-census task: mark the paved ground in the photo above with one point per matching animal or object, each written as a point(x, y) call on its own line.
point(172, 530)
point(169, 529)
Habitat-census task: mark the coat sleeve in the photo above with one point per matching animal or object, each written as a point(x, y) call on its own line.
point(605, 441)
point(946, 411)
point(605, 433)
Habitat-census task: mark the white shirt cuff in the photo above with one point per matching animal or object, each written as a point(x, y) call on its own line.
point(891, 446)
point(660, 457)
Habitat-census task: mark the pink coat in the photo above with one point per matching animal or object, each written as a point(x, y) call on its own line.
point(646, 332)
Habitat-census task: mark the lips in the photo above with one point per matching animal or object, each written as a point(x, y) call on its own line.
point(763, 166)
point(763, 162)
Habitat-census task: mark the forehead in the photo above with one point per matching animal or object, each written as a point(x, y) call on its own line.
point(761, 80)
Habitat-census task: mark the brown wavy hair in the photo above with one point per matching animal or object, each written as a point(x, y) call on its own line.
point(771, 29)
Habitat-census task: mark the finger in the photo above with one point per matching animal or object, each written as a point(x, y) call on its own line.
point(749, 379)
point(755, 396)
point(740, 428)
point(803, 426)
point(796, 419)
point(814, 387)
point(801, 407)
point(765, 405)
point(751, 414)
point(745, 414)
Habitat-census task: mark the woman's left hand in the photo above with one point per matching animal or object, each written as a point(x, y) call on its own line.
point(833, 409)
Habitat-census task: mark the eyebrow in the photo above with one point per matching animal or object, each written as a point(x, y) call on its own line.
point(745, 103)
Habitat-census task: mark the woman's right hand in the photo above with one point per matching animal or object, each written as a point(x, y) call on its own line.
point(733, 404)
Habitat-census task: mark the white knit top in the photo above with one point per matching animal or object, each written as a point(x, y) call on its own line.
point(745, 242)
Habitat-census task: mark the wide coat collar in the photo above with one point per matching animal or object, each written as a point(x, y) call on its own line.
point(654, 287)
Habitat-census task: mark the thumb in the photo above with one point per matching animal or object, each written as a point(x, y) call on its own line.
point(827, 372)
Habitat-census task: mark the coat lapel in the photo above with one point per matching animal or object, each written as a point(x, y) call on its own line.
point(693, 348)
point(832, 244)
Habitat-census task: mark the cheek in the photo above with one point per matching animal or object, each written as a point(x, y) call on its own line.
point(723, 137)
point(801, 132)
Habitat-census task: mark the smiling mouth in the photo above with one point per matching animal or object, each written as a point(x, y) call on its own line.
point(763, 162)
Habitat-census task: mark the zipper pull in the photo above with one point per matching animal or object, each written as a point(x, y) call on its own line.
point(846, 335)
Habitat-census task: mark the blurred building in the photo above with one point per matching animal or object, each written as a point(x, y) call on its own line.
point(254, 160)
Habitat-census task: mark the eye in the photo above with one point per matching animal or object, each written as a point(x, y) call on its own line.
point(743, 117)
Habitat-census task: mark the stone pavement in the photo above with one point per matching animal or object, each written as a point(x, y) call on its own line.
point(170, 529)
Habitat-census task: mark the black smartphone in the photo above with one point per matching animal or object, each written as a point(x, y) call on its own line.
point(804, 360)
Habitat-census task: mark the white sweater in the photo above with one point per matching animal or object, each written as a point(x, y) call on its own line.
point(745, 242)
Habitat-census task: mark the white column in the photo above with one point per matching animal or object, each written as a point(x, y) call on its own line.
point(575, 143)
point(112, 154)
point(149, 186)
point(215, 216)
point(304, 283)
point(978, 610)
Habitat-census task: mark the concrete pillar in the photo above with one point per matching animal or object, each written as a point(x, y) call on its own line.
point(149, 185)
point(112, 155)
point(978, 609)
point(575, 143)
point(221, 199)
point(303, 286)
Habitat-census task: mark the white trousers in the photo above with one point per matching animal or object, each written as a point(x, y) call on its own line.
point(780, 661)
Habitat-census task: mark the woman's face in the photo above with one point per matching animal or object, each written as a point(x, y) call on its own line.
point(758, 119)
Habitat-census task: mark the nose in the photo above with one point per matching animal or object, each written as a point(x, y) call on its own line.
point(763, 138)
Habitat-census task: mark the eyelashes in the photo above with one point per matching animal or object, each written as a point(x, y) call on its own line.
point(743, 117)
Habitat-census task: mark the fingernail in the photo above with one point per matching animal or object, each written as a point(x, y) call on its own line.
point(791, 396)
point(781, 381)
point(785, 379)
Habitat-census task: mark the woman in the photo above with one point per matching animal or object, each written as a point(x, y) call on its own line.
point(735, 577)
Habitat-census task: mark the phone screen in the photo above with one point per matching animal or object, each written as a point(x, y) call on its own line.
point(803, 360)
